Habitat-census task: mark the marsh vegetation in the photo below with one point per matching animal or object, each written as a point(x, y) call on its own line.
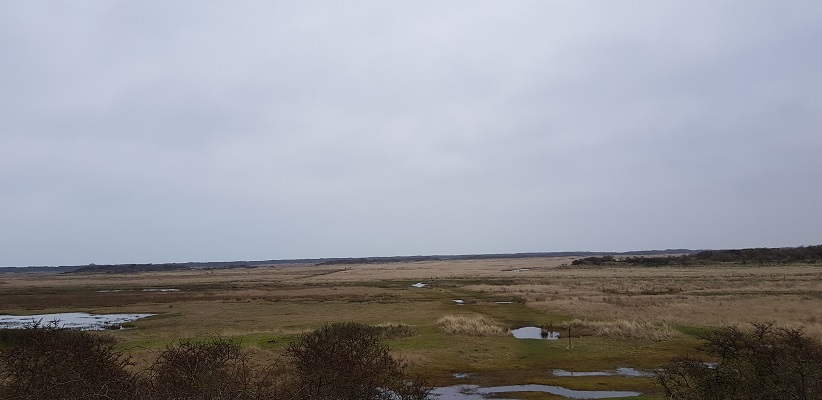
point(621, 316)
point(337, 361)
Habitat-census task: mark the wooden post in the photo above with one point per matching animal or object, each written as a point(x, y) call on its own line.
point(570, 346)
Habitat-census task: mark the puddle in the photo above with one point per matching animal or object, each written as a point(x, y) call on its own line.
point(459, 392)
point(534, 332)
point(474, 392)
point(143, 290)
point(503, 302)
point(635, 373)
point(461, 375)
point(521, 270)
point(419, 285)
point(82, 321)
point(563, 373)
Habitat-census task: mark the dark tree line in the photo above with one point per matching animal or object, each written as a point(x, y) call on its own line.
point(805, 254)
point(791, 254)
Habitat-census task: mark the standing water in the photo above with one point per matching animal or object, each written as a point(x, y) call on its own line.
point(82, 321)
point(534, 332)
point(474, 392)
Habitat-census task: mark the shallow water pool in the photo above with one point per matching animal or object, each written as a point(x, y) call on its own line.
point(534, 332)
point(632, 372)
point(82, 321)
point(474, 392)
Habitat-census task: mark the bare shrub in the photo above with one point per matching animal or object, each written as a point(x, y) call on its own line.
point(340, 361)
point(347, 361)
point(766, 363)
point(622, 329)
point(47, 362)
point(213, 369)
point(472, 325)
point(9, 336)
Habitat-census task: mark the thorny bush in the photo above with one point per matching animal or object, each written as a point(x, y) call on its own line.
point(45, 362)
point(766, 363)
point(347, 361)
point(336, 362)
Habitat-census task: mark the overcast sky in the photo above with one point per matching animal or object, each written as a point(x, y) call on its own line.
point(171, 131)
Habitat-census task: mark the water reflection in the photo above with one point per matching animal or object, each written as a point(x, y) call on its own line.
point(474, 392)
point(617, 372)
point(534, 332)
point(82, 321)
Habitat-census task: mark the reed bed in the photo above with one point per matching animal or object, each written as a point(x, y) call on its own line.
point(622, 329)
point(471, 325)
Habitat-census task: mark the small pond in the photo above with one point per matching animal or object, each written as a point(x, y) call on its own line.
point(635, 373)
point(144, 290)
point(82, 321)
point(534, 332)
point(474, 392)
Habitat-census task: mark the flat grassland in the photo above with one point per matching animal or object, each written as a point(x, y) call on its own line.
point(619, 316)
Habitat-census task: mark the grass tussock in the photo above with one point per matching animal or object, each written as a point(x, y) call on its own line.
point(472, 325)
point(391, 330)
point(622, 329)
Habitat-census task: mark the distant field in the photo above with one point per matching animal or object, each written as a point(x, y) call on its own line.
point(628, 316)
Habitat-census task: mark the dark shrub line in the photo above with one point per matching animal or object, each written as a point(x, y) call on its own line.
point(336, 362)
point(804, 254)
point(766, 363)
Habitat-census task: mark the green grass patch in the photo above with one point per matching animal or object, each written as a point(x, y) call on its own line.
point(695, 331)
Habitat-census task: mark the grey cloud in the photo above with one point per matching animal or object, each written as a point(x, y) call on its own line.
point(143, 132)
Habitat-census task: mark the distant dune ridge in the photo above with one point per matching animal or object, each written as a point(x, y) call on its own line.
point(642, 257)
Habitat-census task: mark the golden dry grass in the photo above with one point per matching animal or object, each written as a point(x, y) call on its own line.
point(622, 329)
point(471, 325)
point(631, 313)
point(697, 296)
point(790, 295)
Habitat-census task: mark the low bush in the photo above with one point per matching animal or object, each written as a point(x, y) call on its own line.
point(213, 369)
point(767, 362)
point(347, 361)
point(46, 362)
point(336, 362)
point(9, 336)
